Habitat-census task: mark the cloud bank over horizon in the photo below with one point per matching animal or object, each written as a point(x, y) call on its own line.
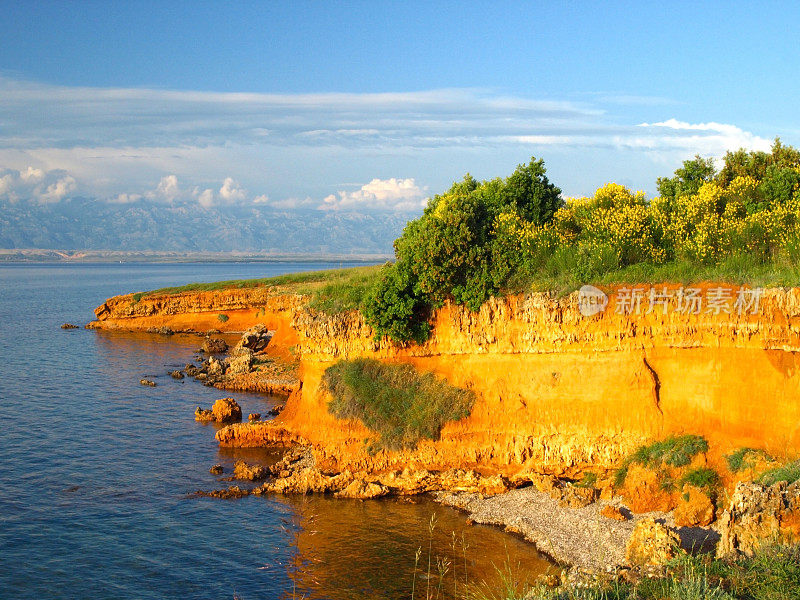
point(123, 145)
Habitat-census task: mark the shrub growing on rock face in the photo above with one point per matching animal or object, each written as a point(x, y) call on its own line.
point(396, 401)
point(450, 251)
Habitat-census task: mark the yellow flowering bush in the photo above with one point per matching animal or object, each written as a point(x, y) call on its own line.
point(615, 218)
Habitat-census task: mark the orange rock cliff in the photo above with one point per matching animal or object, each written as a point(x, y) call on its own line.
point(557, 392)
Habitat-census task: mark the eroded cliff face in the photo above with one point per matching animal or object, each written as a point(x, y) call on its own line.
point(234, 309)
point(557, 392)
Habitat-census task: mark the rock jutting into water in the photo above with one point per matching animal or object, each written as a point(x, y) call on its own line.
point(69, 326)
point(224, 410)
point(147, 382)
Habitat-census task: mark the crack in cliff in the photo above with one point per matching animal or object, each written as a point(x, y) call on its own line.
point(656, 385)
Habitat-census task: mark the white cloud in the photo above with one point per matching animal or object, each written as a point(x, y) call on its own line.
point(393, 194)
point(36, 184)
point(231, 191)
point(262, 199)
point(205, 198)
point(31, 175)
point(125, 198)
point(58, 189)
point(168, 188)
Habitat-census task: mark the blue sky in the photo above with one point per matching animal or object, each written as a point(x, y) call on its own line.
point(376, 105)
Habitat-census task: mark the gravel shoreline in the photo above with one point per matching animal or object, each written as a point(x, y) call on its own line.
point(578, 537)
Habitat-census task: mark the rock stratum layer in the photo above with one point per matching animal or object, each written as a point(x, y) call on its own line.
point(557, 392)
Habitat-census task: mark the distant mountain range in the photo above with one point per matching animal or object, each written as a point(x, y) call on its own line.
point(142, 226)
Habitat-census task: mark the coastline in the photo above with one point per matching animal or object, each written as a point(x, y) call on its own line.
point(488, 464)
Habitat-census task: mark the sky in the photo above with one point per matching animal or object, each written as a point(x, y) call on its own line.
point(375, 105)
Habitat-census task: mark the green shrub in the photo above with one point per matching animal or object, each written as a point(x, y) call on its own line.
point(396, 401)
point(702, 477)
point(744, 458)
point(789, 472)
point(675, 451)
point(222, 317)
point(450, 252)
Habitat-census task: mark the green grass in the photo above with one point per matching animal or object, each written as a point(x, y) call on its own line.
point(561, 274)
point(703, 478)
point(789, 472)
point(675, 451)
point(401, 404)
point(332, 291)
point(589, 480)
point(773, 573)
point(744, 458)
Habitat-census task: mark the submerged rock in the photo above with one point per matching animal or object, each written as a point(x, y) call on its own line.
point(216, 470)
point(160, 330)
point(213, 345)
point(651, 543)
point(69, 326)
point(176, 374)
point(242, 470)
point(363, 490)
point(253, 416)
point(147, 382)
point(230, 493)
point(203, 415)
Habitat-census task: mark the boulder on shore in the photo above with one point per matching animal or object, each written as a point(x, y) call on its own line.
point(255, 339)
point(651, 543)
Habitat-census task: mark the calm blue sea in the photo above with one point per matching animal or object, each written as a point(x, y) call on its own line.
point(95, 470)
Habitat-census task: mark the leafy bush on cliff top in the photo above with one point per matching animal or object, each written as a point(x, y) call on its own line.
point(401, 404)
point(454, 250)
point(478, 239)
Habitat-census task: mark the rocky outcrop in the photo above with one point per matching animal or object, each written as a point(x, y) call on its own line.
point(248, 472)
point(255, 339)
point(69, 326)
point(212, 345)
point(225, 410)
point(695, 508)
point(651, 543)
point(760, 514)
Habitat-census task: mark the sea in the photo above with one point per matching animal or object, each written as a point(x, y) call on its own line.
point(97, 472)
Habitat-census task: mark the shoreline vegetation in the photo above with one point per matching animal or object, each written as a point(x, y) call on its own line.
point(739, 225)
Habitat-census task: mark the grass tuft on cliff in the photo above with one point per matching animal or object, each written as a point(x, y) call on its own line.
point(674, 451)
point(745, 458)
point(332, 291)
point(789, 473)
point(398, 402)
